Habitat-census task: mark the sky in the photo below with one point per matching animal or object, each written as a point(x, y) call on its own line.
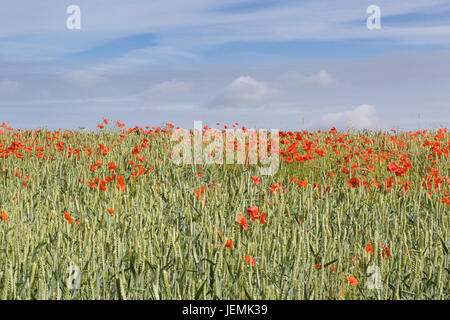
point(286, 64)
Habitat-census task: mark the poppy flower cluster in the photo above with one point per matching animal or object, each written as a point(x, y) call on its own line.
point(250, 260)
point(254, 214)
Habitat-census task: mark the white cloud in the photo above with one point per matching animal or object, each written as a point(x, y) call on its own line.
point(8, 86)
point(169, 88)
point(245, 92)
point(83, 78)
point(362, 117)
point(295, 80)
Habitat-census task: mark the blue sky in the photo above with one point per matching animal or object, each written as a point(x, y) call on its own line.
point(287, 64)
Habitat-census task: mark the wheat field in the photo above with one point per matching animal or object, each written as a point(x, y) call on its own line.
point(106, 214)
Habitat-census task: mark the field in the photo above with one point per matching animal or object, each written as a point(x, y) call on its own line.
point(107, 214)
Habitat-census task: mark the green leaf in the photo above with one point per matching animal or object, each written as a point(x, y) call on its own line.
point(331, 262)
point(249, 297)
point(199, 291)
point(444, 246)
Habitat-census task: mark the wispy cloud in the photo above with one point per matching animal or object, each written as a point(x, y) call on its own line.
point(294, 79)
point(83, 78)
point(198, 24)
point(168, 88)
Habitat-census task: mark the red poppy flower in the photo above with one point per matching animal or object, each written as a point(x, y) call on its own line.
point(392, 167)
point(353, 281)
point(301, 183)
point(262, 218)
point(252, 210)
point(248, 258)
point(353, 182)
point(252, 213)
point(68, 217)
point(229, 244)
point(243, 222)
point(369, 248)
point(386, 253)
point(256, 180)
point(112, 166)
point(3, 216)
